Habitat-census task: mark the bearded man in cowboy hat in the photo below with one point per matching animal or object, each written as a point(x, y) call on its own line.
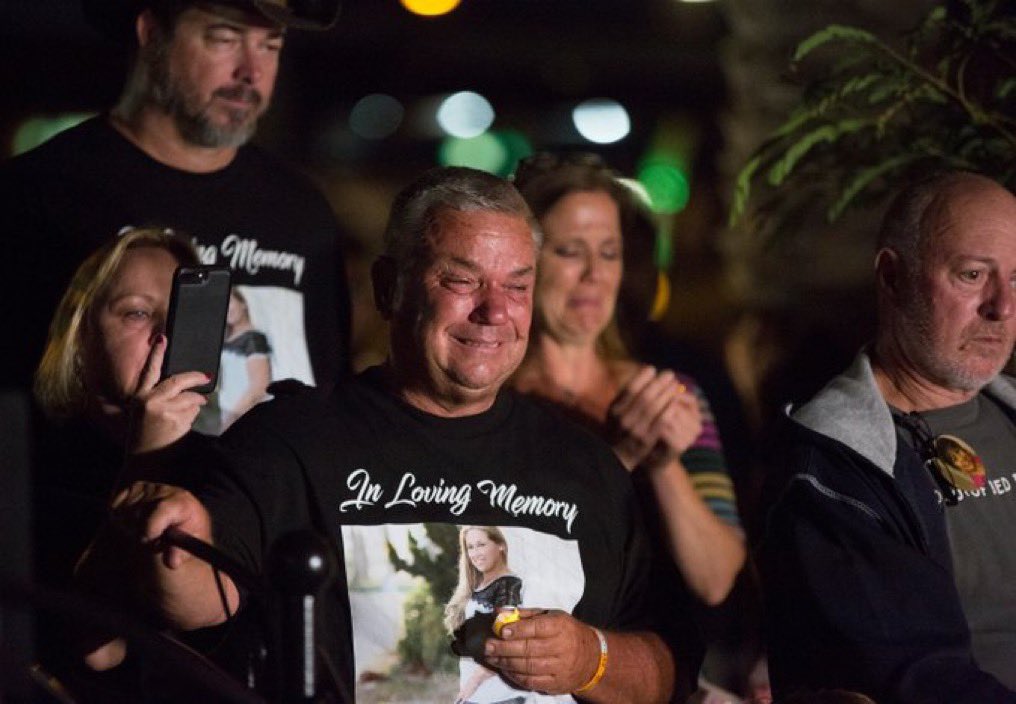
point(174, 152)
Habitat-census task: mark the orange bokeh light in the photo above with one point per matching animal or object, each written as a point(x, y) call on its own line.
point(430, 8)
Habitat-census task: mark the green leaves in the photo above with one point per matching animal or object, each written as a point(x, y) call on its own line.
point(861, 180)
point(742, 190)
point(783, 167)
point(834, 32)
point(943, 98)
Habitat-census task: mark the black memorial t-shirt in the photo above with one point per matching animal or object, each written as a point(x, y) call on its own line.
point(276, 232)
point(392, 486)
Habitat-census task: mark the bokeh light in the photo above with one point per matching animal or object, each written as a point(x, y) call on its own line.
point(661, 301)
point(465, 114)
point(485, 152)
point(376, 116)
point(36, 130)
point(517, 146)
point(663, 250)
point(667, 184)
point(430, 8)
point(602, 120)
point(496, 152)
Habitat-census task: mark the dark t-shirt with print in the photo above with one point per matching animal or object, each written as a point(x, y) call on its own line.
point(393, 486)
point(277, 233)
point(982, 440)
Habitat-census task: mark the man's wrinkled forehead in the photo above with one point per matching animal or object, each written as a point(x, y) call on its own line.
point(450, 229)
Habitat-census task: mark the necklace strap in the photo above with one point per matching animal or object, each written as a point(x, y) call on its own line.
point(924, 442)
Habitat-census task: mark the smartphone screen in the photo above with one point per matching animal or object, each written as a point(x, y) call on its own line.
point(196, 322)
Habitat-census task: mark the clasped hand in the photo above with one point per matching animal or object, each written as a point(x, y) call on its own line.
point(654, 419)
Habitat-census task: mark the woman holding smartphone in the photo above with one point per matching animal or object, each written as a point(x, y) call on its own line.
point(106, 343)
point(98, 386)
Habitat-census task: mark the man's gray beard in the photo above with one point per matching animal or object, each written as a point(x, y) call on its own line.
point(191, 119)
point(199, 131)
point(916, 327)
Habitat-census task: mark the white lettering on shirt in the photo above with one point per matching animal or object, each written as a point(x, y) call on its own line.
point(504, 496)
point(408, 494)
point(244, 254)
point(367, 493)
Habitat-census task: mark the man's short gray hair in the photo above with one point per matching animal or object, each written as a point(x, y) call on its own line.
point(454, 188)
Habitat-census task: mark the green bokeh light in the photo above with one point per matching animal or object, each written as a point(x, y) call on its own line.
point(668, 186)
point(36, 130)
point(663, 253)
point(494, 152)
point(518, 146)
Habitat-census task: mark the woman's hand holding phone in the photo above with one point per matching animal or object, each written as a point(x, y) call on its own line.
point(165, 410)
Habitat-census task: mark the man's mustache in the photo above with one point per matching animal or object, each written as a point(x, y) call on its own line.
point(240, 93)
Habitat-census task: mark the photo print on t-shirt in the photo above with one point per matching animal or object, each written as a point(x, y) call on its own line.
point(263, 342)
point(424, 596)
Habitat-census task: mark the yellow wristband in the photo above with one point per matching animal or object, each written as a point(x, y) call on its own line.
point(601, 666)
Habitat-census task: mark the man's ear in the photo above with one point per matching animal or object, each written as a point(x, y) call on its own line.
point(889, 272)
point(384, 278)
point(145, 28)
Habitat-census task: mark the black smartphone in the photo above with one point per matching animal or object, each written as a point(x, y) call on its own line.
point(196, 322)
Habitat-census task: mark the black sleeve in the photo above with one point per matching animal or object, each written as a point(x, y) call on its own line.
point(509, 592)
point(851, 605)
point(255, 490)
point(631, 604)
point(254, 342)
point(514, 597)
point(645, 600)
point(676, 613)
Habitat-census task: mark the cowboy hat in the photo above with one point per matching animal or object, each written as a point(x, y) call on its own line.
point(114, 18)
